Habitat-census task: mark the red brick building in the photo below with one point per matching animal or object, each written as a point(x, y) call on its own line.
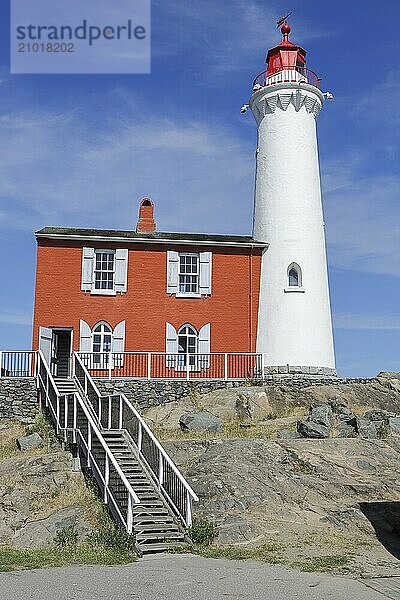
point(145, 291)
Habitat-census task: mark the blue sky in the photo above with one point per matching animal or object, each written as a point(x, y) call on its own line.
point(82, 150)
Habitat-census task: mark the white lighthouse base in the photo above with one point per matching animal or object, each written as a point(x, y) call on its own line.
point(307, 372)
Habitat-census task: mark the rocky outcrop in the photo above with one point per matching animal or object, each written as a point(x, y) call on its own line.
point(279, 390)
point(200, 420)
point(337, 420)
point(305, 495)
point(255, 405)
point(39, 493)
point(44, 532)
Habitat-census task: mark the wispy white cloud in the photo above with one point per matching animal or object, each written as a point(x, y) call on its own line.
point(380, 104)
point(366, 322)
point(229, 36)
point(59, 169)
point(9, 316)
point(362, 216)
point(55, 169)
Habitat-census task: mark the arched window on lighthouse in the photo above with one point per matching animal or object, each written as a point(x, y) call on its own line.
point(294, 275)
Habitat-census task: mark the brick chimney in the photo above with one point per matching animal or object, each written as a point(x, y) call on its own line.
point(146, 223)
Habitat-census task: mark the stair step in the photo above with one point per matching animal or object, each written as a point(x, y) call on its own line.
point(156, 527)
point(155, 504)
point(149, 518)
point(145, 495)
point(137, 480)
point(153, 510)
point(171, 535)
point(153, 548)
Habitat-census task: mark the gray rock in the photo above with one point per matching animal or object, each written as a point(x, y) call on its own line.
point(379, 415)
point(15, 508)
point(345, 430)
point(366, 429)
point(321, 414)
point(6, 531)
point(200, 421)
point(394, 424)
point(41, 534)
point(310, 429)
point(285, 434)
point(343, 413)
point(29, 442)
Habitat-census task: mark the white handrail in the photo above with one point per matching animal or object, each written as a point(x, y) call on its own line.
point(110, 455)
point(147, 429)
point(87, 375)
point(92, 424)
point(161, 449)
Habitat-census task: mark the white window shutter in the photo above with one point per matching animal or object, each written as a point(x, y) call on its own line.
point(172, 272)
point(171, 346)
point(118, 344)
point(204, 346)
point(85, 339)
point(87, 269)
point(121, 269)
point(205, 273)
point(45, 343)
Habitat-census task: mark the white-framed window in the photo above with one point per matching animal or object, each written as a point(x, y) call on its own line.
point(101, 344)
point(294, 278)
point(188, 348)
point(189, 273)
point(187, 345)
point(104, 271)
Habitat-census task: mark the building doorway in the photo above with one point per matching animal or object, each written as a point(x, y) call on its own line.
point(56, 346)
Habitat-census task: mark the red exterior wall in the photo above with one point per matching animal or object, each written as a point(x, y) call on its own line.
point(231, 309)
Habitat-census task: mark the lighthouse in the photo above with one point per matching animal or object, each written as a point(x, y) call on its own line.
point(294, 321)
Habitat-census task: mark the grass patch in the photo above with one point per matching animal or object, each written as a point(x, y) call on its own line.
point(202, 531)
point(322, 563)
point(231, 431)
point(8, 447)
point(83, 554)
point(44, 428)
point(266, 553)
point(72, 493)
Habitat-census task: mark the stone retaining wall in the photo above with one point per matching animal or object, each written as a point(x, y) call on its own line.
point(18, 399)
point(146, 394)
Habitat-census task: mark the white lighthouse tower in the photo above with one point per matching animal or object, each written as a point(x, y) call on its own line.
point(294, 321)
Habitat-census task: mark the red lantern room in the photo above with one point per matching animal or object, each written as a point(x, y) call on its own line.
point(286, 55)
point(286, 63)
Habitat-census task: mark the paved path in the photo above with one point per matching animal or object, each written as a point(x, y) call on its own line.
point(180, 577)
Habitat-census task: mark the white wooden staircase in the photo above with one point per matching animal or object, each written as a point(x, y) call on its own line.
point(145, 492)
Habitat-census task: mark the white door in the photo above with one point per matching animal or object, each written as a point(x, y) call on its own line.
point(46, 343)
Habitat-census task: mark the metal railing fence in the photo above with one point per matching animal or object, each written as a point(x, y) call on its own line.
point(287, 74)
point(16, 364)
point(162, 365)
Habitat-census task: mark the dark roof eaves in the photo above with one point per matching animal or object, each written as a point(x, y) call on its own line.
point(159, 237)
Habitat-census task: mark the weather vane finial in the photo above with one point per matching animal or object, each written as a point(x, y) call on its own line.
point(281, 21)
